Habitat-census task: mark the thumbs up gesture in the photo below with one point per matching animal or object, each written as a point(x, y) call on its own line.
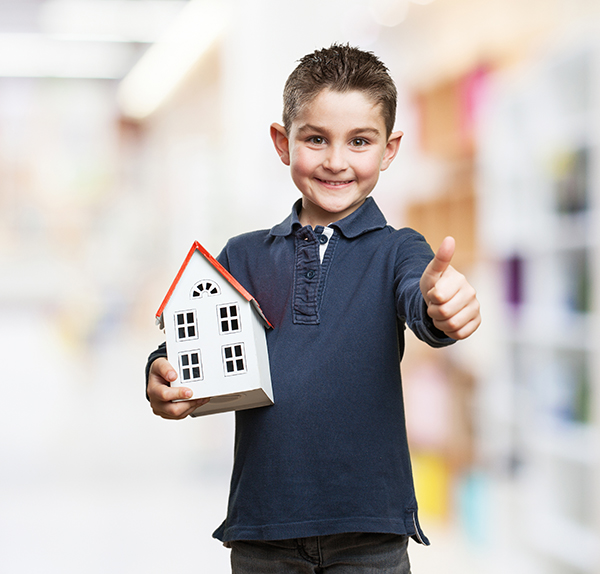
point(451, 300)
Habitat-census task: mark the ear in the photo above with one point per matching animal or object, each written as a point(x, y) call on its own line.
point(281, 142)
point(391, 150)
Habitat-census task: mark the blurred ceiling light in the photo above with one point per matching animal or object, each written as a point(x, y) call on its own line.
point(109, 20)
point(86, 38)
point(166, 63)
point(388, 13)
point(40, 56)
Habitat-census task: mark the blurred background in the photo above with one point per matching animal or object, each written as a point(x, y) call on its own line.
point(130, 128)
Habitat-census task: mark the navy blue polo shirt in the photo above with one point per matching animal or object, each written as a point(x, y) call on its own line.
point(331, 454)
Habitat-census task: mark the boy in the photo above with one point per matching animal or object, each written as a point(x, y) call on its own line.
point(322, 479)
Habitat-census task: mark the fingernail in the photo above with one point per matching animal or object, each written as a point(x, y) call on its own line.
point(172, 375)
point(187, 394)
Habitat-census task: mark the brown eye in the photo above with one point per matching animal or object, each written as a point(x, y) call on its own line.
point(359, 142)
point(317, 140)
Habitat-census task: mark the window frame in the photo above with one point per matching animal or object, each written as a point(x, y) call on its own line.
point(188, 354)
point(214, 291)
point(234, 359)
point(229, 319)
point(186, 325)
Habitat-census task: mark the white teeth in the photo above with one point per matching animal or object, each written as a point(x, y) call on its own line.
point(337, 182)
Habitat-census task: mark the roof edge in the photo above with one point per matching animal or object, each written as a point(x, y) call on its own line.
point(197, 246)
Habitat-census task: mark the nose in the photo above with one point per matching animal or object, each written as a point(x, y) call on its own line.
point(335, 160)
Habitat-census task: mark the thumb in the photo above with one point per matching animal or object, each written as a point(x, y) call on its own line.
point(163, 369)
point(438, 264)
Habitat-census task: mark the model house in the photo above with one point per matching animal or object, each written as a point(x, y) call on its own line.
point(215, 333)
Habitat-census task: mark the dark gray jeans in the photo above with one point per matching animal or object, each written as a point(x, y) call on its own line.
point(353, 553)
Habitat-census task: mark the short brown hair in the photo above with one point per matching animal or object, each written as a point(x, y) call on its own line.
point(340, 68)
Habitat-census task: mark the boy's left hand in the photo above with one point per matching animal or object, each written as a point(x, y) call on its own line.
point(451, 300)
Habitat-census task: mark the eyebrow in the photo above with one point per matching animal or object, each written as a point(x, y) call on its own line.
point(310, 128)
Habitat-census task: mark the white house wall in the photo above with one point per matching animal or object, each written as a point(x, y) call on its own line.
point(209, 340)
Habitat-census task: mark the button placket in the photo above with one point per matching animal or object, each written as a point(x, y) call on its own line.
point(306, 280)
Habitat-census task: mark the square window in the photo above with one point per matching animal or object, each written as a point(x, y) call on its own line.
point(234, 359)
point(185, 325)
point(229, 320)
point(190, 366)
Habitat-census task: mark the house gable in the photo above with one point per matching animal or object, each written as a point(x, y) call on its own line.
point(197, 247)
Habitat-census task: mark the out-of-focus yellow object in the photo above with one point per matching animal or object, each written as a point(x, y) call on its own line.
point(432, 484)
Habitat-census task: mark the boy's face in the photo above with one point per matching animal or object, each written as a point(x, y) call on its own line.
point(336, 148)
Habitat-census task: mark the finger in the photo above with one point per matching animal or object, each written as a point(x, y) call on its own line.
point(437, 266)
point(443, 257)
point(452, 285)
point(459, 324)
point(466, 330)
point(178, 411)
point(159, 390)
point(162, 368)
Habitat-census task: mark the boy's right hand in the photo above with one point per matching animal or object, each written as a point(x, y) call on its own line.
point(161, 394)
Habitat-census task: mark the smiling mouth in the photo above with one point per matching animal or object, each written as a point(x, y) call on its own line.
point(335, 183)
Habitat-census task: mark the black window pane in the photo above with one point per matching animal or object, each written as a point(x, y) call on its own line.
point(240, 364)
point(191, 331)
point(181, 332)
point(235, 325)
point(224, 326)
point(196, 372)
point(180, 319)
point(185, 360)
point(238, 350)
point(186, 374)
point(195, 359)
point(223, 311)
point(228, 352)
point(229, 366)
point(190, 317)
point(233, 311)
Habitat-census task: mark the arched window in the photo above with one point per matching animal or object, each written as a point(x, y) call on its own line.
point(205, 287)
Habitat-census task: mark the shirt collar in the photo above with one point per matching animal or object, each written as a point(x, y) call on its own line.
point(367, 217)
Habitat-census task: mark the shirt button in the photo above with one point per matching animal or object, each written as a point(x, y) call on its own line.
point(323, 239)
point(310, 274)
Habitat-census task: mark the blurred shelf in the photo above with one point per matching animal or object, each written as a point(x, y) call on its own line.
point(540, 192)
point(567, 440)
point(534, 325)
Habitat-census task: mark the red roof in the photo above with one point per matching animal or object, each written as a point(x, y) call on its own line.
point(234, 282)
